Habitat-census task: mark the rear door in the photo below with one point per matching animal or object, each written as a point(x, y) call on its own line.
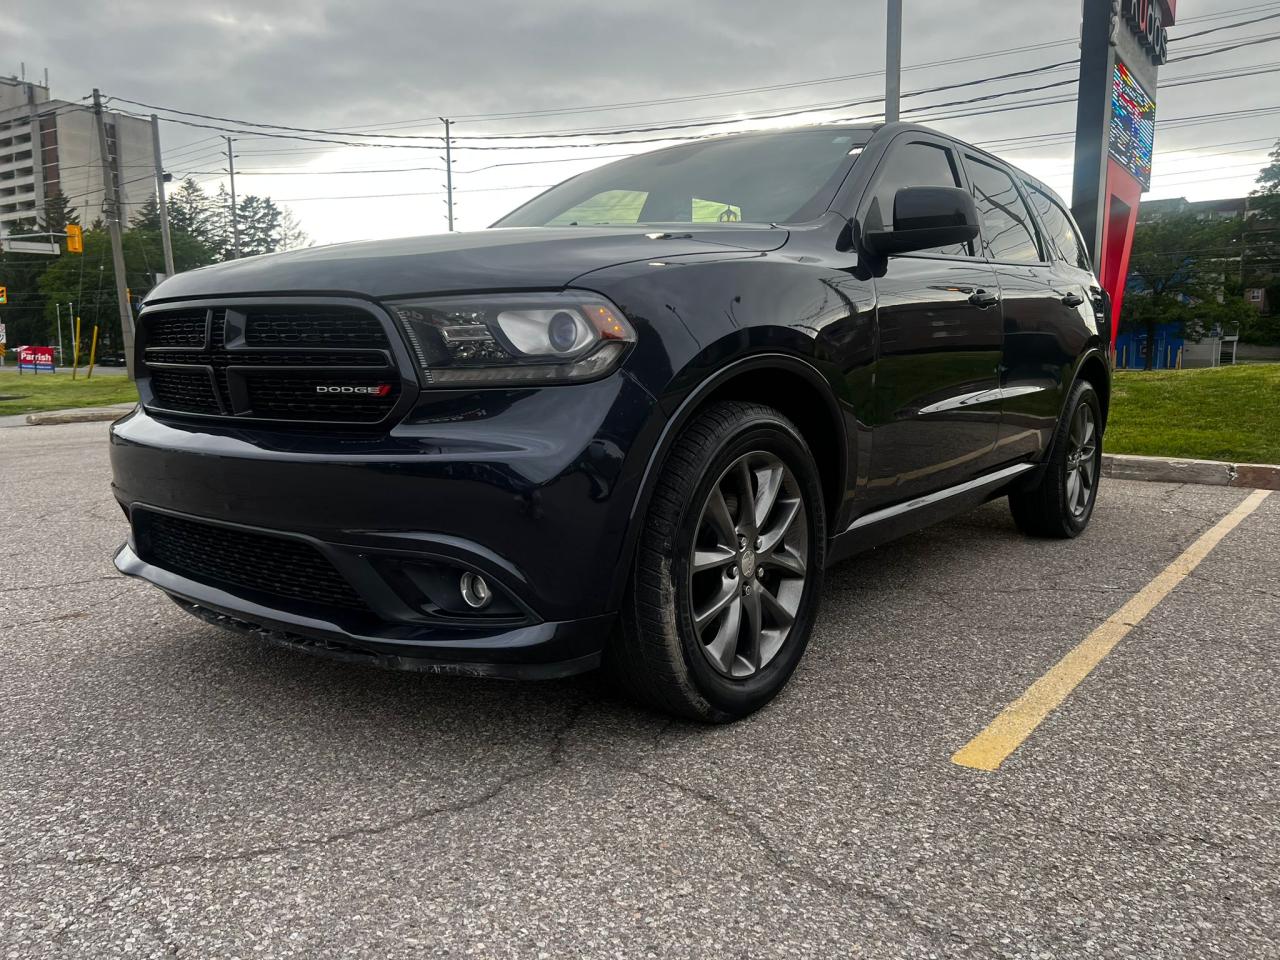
point(1038, 303)
point(937, 410)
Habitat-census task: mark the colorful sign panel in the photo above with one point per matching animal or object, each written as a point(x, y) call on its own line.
point(35, 358)
point(1133, 126)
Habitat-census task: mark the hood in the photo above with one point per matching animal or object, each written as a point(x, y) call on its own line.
point(486, 260)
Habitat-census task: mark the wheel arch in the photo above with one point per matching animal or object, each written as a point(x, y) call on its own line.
point(1093, 367)
point(788, 383)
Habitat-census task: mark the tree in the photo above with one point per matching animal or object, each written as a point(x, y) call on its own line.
point(259, 221)
point(265, 227)
point(1269, 177)
point(189, 209)
point(1177, 274)
point(58, 212)
point(23, 315)
point(148, 215)
point(88, 280)
point(1261, 230)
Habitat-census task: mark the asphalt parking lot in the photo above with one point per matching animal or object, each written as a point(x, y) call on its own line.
point(170, 790)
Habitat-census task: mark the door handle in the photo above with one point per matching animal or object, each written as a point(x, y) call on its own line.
point(984, 298)
point(1072, 300)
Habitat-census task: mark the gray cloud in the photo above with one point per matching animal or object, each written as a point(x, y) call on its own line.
point(330, 64)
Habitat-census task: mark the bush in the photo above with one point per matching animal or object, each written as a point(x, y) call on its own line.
point(1262, 330)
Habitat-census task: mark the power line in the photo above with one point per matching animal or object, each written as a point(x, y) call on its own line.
point(267, 130)
point(418, 193)
point(632, 104)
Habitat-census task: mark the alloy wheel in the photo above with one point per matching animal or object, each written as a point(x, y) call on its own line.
point(1082, 460)
point(747, 568)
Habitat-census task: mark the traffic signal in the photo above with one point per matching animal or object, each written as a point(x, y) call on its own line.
point(75, 238)
point(4, 294)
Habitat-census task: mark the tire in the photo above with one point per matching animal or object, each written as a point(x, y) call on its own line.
point(1061, 503)
point(671, 652)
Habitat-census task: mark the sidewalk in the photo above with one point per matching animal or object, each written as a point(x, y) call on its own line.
point(75, 415)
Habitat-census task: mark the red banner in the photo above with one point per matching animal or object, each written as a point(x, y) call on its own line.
point(39, 358)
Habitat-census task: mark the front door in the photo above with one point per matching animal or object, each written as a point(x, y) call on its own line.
point(936, 413)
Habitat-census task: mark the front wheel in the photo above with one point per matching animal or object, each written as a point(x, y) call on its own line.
point(728, 574)
point(1061, 503)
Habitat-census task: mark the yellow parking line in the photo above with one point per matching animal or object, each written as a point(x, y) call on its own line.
point(1017, 721)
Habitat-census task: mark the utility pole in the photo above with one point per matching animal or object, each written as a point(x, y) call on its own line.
point(58, 308)
point(112, 210)
point(165, 239)
point(448, 170)
point(235, 214)
point(893, 62)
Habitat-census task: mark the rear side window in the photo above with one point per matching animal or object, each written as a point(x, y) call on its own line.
point(1008, 232)
point(1057, 222)
point(916, 164)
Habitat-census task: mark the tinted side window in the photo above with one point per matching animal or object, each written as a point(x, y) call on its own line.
point(1059, 226)
point(914, 165)
point(1009, 233)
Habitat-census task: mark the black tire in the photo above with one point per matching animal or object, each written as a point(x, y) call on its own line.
point(1055, 507)
point(658, 655)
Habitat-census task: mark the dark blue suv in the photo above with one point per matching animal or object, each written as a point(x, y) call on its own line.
point(631, 424)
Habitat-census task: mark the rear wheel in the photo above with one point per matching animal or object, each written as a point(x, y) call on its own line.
point(1062, 502)
point(729, 570)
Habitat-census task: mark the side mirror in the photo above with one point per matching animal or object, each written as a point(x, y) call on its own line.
point(924, 218)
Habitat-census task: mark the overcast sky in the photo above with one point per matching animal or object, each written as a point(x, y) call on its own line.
point(396, 65)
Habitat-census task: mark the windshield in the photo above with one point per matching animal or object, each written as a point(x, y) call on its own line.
point(787, 177)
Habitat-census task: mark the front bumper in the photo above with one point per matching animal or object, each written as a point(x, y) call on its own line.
point(539, 651)
point(533, 489)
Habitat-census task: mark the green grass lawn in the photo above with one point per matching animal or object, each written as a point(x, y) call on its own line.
point(1231, 413)
point(57, 391)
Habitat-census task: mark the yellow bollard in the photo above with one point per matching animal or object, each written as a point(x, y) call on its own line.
point(75, 350)
point(93, 352)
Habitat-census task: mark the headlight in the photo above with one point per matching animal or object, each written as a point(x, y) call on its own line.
point(514, 338)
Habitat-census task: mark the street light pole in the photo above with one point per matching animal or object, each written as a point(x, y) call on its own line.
point(163, 202)
point(448, 169)
point(893, 62)
point(113, 213)
point(235, 214)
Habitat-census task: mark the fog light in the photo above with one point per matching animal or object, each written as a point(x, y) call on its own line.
point(475, 590)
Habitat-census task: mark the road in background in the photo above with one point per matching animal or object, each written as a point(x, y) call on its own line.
point(170, 789)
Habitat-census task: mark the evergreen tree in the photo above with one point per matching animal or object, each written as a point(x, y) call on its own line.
point(259, 222)
point(148, 216)
point(58, 212)
point(189, 209)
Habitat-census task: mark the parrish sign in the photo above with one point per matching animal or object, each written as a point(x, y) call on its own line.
point(35, 359)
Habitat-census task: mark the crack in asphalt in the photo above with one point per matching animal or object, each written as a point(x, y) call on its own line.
point(67, 583)
point(776, 854)
point(556, 756)
point(73, 614)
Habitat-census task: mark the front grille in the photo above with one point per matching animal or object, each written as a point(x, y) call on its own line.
point(303, 326)
point(221, 556)
point(186, 390)
point(292, 397)
point(285, 363)
point(177, 330)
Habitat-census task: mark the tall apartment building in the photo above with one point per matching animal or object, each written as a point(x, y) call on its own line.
point(51, 146)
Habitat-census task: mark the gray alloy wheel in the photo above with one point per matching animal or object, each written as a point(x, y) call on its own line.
point(747, 565)
point(1082, 461)
point(1059, 502)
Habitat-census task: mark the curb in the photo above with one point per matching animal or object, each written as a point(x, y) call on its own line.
point(83, 415)
point(1259, 476)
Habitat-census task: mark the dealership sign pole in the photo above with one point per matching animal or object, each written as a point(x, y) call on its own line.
point(1123, 43)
